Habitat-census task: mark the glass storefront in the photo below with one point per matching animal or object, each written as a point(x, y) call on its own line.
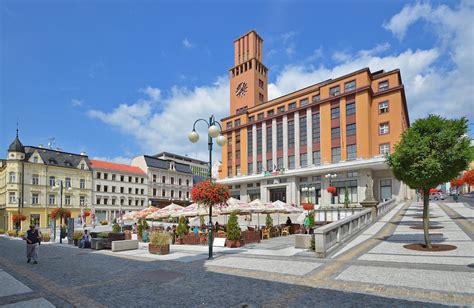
point(310, 193)
point(341, 186)
point(253, 194)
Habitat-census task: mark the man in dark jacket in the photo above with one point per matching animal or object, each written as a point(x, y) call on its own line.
point(32, 244)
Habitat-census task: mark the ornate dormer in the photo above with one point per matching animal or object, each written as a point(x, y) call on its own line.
point(16, 150)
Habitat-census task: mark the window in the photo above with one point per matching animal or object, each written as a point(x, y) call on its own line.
point(130, 179)
point(52, 181)
point(35, 159)
point(291, 162)
point(350, 129)
point(260, 97)
point(163, 179)
point(259, 140)
point(383, 85)
point(67, 200)
point(291, 134)
point(106, 188)
point(154, 192)
point(316, 98)
point(292, 106)
point(142, 180)
point(180, 194)
point(260, 116)
point(280, 164)
point(351, 151)
point(383, 107)
point(250, 168)
point(237, 138)
point(349, 86)
point(97, 187)
point(154, 178)
point(316, 158)
point(316, 127)
point(229, 171)
point(113, 189)
point(129, 190)
point(341, 186)
point(237, 170)
point(67, 182)
point(237, 154)
point(172, 194)
point(350, 109)
point(335, 154)
point(229, 125)
point(281, 109)
point(269, 139)
point(251, 119)
point(187, 195)
point(270, 113)
point(385, 189)
point(113, 201)
point(229, 140)
point(142, 191)
point(82, 200)
point(180, 181)
point(137, 191)
point(35, 179)
point(334, 91)
point(303, 160)
point(259, 167)
point(303, 131)
point(304, 102)
point(237, 123)
point(98, 175)
point(249, 142)
point(335, 112)
point(82, 183)
point(280, 136)
point(260, 81)
point(113, 177)
point(52, 199)
point(353, 174)
point(11, 197)
point(122, 178)
point(106, 176)
point(383, 128)
point(163, 193)
point(269, 164)
point(130, 201)
point(121, 190)
point(82, 166)
point(187, 182)
point(335, 132)
point(12, 177)
point(136, 179)
point(172, 180)
point(34, 199)
point(384, 148)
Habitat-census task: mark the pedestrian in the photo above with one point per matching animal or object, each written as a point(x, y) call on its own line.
point(288, 221)
point(306, 222)
point(135, 228)
point(84, 242)
point(173, 235)
point(32, 244)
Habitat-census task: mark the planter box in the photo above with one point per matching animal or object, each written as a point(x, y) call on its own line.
point(250, 236)
point(159, 250)
point(234, 243)
point(116, 236)
point(303, 241)
point(98, 243)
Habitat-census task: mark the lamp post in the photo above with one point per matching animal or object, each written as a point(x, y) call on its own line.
point(330, 176)
point(59, 184)
point(214, 131)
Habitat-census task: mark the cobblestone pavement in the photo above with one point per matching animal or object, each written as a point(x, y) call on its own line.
point(375, 272)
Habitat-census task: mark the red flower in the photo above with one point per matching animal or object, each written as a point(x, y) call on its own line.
point(331, 189)
point(87, 213)
point(468, 177)
point(60, 213)
point(457, 182)
point(208, 193)
point(21, 218)
point(308, 206)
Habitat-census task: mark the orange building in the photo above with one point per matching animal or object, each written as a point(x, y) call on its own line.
point(292, 148)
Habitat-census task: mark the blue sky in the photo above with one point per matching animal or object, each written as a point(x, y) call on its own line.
point(122, 78)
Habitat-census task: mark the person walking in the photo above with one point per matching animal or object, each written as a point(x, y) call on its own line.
point(32, 244)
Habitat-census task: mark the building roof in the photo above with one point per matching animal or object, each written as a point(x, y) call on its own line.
point(165, 164)
point(165, 155)
point(16, 145)
point(100, 164)
point(57, 158)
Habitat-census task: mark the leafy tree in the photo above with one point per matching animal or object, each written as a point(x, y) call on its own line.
point(431, 152)
point(269, 221)
point(182, 228)
point(233, 229)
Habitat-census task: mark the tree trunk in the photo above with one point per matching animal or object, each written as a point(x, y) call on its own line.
point(426, 217)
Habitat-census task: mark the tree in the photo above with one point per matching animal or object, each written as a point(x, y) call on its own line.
point(269, 221)
point(432, 151)
point(233, 230)
point(468, 177)
point(182, 228)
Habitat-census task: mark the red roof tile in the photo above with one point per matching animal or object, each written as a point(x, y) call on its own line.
point(99, 164)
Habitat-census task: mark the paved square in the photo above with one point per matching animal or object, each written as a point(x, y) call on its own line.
point(11, 286)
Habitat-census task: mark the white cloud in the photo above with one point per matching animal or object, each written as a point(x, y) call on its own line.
point(187, 43)
point(77, 103)
point(400, 23)
point(117, 159)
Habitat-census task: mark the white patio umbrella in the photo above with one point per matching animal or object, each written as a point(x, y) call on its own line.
point(166, 211)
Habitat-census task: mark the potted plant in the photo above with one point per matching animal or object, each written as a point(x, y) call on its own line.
point(269, 222)
point(346, 198)
point(11, 233)
point(159, 243)
point(76, 237)
point(308, 206)
point(46, 237)
point(331, 189)
point(182, 229)
point(233, 232)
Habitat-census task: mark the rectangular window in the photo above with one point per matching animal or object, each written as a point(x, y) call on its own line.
point(172, 180)
point(316, 127)
point(180, 180)
point(113, 177)
point(350, 109)
point(82, 183)
point(229, 140)
point(12, 197)
point(281, 109)
point(251, 119)
point(335, 112)
point(304, 102)
point(106, 176)
point(67, 182)
point(350, 129)
point(260, 81)
point(269, 139)
point(163, 179)
point(259, 140)
point(384, 128)
point(303, 160)
point(229, 171)
point(291, 162)
point(303, 131)
point(129, 190)
point(229, 125)
point(316, 98)
point(335, 132)
point(163, 193)
point(291, 134)
point(260, 116)
point(350, 86)
point(98, 175)
point(154, 178)
point(122, 178)
point(237, 170)
point(237, 123)
point(113, 189)
point(316, 158)
point(351, 151)
point(34, 199)
point(335, 154)
point(82, 200)
point(52, 199)
point(35, 179)
point(270, 113)
point(250, 168)
point(384, 148)
point(383, 107)
point(67, 200)
point(334, 91)
point(259, 167)
point(260, 97)
point(52, 181)
point(292, 106)
point(269, 164)
point(280, 136)
point(280, 164)
point(106, 188)
point(237, 138)
point(12, 177)
point(237, 154)
point(383, 85)
point(121, 190)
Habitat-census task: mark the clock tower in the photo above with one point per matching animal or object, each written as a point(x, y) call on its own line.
point(248, 77)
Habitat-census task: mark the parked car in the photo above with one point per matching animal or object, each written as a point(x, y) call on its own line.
point(437, 196)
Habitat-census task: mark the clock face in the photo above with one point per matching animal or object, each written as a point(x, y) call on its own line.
point(241, 89)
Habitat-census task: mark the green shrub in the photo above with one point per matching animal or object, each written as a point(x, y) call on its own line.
point(312, 243)
point(2, 231)
point(11, 232)
point(21, 234)
point(116, 227)
point(269, 221)
point(182, 228)
point(46, 237)
point(104, 222)
point(77, 235)
point(159, 238)
point(103, 235)
point(233, 230)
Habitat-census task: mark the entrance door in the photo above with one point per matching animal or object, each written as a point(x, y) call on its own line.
point(278, 194)
point(385, 190)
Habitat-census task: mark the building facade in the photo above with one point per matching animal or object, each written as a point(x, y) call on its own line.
point(332, 133)
point(198, 167)
point(168, 181)
point(117, 188)
point(30, 179)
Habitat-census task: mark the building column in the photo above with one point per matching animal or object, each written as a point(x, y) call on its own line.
point(254, 148)
point(285, 141)
point(296, 120)
point(309, 135)
point(274, 141)
point(264, 146)
point(325, 195)
point(263, 192)
point(291, 196)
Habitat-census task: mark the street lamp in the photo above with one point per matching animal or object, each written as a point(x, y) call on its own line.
point(330, 176)
point(59, 184)
point(214, 131)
